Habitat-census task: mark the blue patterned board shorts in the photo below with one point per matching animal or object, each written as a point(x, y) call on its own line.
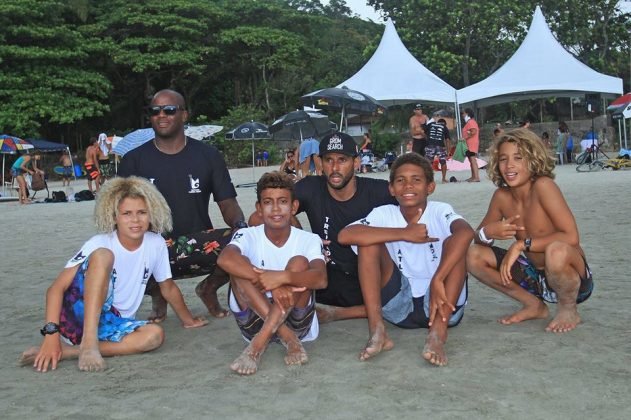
point(534, 280)
point(299, 320)
point(440, 151)
point(401, 309)
point(112, 327)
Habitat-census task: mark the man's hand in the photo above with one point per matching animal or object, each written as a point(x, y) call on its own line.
point(284, 297)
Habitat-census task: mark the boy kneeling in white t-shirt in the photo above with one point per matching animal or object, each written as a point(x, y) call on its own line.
point(274, 269)
point(411, 261)
point(91, 306)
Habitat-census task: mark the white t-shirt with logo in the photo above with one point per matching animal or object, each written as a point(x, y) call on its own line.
point(262, 253)
point(417, 262)
point(132, 269)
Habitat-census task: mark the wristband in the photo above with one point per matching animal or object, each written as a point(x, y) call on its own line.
point(482, 237)
point(240, 224)
point(527, 243)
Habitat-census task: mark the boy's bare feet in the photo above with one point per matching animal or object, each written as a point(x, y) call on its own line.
point(90, 360)
point(566, 319)
point(434, 349)
point(536, 311)
point(28, 357)
point(207, 292)
point(296, 354)
point(248, 361)
point(377, 343)
point(158, 308)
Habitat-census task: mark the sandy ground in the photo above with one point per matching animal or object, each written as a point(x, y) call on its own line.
point(494, 371)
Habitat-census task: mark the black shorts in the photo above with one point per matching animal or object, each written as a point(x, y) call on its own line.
point(418, 146)
point(343, 289)
point(469, 153)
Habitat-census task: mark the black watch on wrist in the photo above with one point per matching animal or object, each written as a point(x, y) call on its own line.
point(49, 328)
point(527, 243)
point(240, 224)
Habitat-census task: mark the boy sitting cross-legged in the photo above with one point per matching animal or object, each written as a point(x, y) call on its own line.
point(274, 269)
point(411, 261)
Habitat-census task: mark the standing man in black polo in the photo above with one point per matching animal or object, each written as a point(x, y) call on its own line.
point(187, 172)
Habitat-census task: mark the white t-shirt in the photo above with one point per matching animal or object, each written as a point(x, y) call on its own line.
point(132, 269)
point(263, 254)
point(417, 262)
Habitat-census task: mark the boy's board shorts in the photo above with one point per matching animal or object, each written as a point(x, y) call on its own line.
point(434, 150)
point(534, 280)
point(401, 309)
point(106, 167)
point(92, 172)
point(67, 172)
point(299, 320)
point(194, 254)
point(112, 326)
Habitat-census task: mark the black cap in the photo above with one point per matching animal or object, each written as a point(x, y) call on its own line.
point(338, 143)
point(418, 106)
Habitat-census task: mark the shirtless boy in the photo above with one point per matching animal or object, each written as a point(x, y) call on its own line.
point(417, 124)
point(68, 170)
point(546, 262)
point(91, 306)
point(274, 269)
point(411, 261)
point(92, 167)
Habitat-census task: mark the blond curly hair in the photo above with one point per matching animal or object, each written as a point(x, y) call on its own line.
point(116, 190)
point(539, 160)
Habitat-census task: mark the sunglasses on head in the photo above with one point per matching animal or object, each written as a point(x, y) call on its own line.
point(168, 109)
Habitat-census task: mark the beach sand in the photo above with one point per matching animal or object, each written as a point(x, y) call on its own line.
point(494, 371)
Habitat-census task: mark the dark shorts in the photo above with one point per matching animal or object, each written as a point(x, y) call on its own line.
point(469, 153)
point(112, 327)
point(534, 280)
point(342, 290)
point(92, 172)
point(299, 320)
point(106, 167)
point(440, 151)
point(67, 172)
point(15, 172)
point(418, 146)
point(401, 309)
point(195, 254)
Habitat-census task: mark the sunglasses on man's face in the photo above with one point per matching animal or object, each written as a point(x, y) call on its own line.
point(154, 111)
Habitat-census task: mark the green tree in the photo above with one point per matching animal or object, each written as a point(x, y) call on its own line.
point(46, 74)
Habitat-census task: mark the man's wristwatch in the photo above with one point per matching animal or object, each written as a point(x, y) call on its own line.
point(240, 224)
point(527, 243)
point(49, 328)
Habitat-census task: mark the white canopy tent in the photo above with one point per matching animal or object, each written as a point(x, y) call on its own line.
point(394, 77)
point(540, 68)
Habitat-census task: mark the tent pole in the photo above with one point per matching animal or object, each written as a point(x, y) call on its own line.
point(571, 110)
point(71, 163)
point(3, 180)
point(253, 174)
point(625, 132)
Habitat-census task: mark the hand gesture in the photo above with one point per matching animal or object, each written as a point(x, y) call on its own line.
point(284, 297)
point(438, 302)
point(49, 353)
point(503, 229)
point(417, 232)
point(196, 322)
point(507, 263)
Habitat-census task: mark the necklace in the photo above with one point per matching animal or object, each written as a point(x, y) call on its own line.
point(155, 143)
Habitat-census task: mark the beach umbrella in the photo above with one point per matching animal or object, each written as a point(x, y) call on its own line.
point(300, 124)
point(202, 132)
point(10, 145)
point(133, 140)
point(251, 130)
point(344, 100)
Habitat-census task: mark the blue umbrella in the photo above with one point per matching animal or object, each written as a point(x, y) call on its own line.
point(133, 140)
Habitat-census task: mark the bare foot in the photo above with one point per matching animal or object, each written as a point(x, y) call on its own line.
point(538, 311)
point(376, 344)
point(90, 360)
point(445, 181)
point(296, 354)
point(434, 350)
point(248, 362)
point(207, 292)
point(158, 308)
point(473, 180)
point(566, 319)
point(28, 357)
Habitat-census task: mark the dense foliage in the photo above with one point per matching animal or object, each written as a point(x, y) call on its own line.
point(70, 69)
